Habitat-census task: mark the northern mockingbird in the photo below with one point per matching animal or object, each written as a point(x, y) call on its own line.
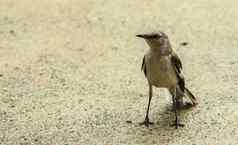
point(162, 68)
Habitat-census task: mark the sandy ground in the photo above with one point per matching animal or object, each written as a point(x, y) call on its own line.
point(70, 72)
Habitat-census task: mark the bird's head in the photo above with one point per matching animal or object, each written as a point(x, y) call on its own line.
point(158, 41)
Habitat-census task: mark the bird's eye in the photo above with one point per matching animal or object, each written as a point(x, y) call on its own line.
point(155, 36)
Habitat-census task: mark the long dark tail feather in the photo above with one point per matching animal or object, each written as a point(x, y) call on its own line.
point(191, 96)
point(143, 67)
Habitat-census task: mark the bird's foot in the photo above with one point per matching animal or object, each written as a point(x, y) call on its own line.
point(177, 124)
point(146, 122)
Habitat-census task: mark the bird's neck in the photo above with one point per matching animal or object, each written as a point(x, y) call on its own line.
point(160, 52)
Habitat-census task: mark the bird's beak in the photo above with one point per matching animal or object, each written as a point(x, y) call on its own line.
point(145, 36)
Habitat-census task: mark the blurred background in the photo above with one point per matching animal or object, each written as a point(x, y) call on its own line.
point(70, 72)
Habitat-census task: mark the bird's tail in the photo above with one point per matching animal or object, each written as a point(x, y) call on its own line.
point(191, 96)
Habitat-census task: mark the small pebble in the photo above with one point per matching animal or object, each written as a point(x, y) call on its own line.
point(184, 43)
point(128, 121)
point(12, 32)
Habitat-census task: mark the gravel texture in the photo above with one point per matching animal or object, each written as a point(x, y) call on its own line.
point(70, 72)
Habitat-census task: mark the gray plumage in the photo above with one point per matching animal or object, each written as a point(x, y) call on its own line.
point(163, 69)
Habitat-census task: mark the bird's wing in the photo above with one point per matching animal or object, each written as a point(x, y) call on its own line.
point(143, 66)
point(177, 64)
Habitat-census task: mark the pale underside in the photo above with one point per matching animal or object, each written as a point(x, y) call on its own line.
point(160, 72)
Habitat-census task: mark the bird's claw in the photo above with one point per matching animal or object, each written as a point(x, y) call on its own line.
point(146, 123)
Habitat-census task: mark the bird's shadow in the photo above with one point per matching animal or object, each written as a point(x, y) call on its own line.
point(165, 118)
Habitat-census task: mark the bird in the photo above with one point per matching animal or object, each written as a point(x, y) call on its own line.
point(163, 69)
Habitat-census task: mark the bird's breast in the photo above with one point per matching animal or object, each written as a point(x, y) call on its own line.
point(161, 73)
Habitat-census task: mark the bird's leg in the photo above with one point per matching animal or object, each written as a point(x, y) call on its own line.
point(175, 104)
point(147, 121)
